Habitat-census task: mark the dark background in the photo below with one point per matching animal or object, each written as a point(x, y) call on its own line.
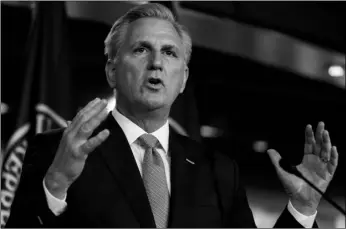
point(247, 100)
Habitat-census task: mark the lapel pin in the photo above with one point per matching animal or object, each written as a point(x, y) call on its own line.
point(191, 162)
point(39, 219)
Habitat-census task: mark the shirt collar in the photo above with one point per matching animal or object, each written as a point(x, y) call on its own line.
point(133, 132)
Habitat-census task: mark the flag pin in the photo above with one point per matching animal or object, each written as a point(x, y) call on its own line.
point(191, 162)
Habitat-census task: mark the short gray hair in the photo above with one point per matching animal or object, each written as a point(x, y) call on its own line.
point(115, 37)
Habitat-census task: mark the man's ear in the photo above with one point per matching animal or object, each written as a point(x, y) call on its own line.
point(111, 72)
point(186, 76)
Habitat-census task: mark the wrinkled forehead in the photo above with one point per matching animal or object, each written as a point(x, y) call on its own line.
point(153, 30)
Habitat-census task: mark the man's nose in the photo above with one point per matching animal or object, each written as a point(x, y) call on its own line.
point(155, 62)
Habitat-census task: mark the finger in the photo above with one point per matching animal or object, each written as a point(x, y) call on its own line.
point(82, 129)
point(94, 142)
point(333, 163)
point(275, 157)
point(326, 146)
point(309, 140)
point(318, 138)
point(67, 123)
point(90, 105)
point(88, 127)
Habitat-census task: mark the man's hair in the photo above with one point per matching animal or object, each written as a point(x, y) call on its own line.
point(116, 35)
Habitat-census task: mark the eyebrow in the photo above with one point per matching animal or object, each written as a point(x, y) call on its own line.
point(146, 44)
point(169, 47)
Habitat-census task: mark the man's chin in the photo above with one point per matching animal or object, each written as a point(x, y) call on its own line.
point(154, 104)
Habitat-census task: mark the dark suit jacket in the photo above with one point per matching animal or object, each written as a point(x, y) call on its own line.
point(110, 191)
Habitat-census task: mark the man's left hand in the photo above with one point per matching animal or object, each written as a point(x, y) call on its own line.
point(318, 166)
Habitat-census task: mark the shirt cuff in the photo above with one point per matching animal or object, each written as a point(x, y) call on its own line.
point(306, 221)
point(56, 205)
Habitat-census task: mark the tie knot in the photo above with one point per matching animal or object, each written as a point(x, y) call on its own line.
point(148, 140)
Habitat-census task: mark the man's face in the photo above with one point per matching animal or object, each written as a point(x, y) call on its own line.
point(150, 70)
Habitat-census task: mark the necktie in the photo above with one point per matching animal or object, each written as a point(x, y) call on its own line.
point(154, 179)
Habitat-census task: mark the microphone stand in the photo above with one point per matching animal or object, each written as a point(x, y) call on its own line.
point(293, 169)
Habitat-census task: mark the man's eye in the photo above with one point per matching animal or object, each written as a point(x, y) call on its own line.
point(170, 53)
point(139, 50)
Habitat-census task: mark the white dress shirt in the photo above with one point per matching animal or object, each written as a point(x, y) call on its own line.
point(132, 132)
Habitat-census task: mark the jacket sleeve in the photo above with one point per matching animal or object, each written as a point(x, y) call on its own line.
point(30, 207)
point(286, 220)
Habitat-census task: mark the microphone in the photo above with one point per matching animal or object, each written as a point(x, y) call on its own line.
point(293, 170)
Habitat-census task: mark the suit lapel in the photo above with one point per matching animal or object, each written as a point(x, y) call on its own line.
point(182, 177)
point(119, 158)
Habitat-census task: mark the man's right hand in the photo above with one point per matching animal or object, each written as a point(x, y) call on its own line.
point(75, 146)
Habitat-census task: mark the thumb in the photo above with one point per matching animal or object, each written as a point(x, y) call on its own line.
point(275, 157)
point(68, 122)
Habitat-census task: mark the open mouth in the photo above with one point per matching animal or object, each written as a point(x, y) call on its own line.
point(154, 84)
point(155, 81)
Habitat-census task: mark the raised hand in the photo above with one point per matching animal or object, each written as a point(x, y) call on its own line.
point(319, 163)
point(75, 146)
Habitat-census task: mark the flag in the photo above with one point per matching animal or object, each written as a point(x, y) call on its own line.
point(45, 95)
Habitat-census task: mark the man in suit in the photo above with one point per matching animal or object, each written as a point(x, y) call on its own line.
point(127, 168)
